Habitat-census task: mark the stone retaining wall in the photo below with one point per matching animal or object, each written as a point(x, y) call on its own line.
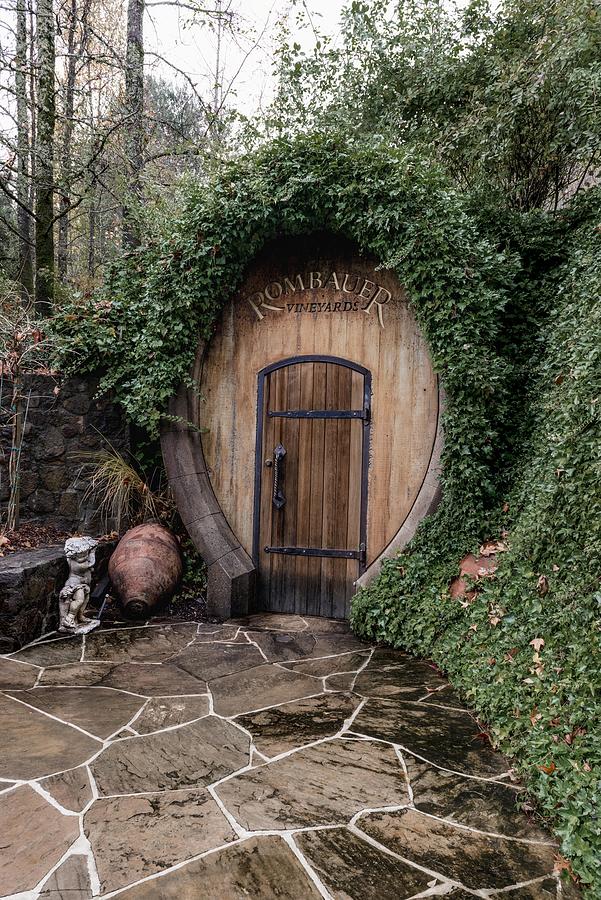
point(63, 419)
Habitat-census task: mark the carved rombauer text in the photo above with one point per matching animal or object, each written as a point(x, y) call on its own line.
point(367, 295)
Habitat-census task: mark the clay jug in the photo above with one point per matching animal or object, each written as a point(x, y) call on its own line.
point(145, 569)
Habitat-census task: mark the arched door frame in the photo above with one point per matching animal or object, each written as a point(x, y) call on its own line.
point(364, 414)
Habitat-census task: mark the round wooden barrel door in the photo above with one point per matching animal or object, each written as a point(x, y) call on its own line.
point(320, 419)
point(311, 483)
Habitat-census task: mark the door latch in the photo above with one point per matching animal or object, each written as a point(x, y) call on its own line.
point(278, 497)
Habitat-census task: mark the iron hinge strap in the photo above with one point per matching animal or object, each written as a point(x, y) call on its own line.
point(318, 413)
point(315, 551)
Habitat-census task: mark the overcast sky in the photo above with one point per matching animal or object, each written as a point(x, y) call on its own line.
point(172, 35)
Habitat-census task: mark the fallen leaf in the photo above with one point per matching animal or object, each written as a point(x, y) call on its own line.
point(542, 585)
point(535, 716)
point(537, 643)
point(548, 769)
point(489, 548)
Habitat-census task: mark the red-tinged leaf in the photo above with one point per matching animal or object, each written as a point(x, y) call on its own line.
point(548, 769)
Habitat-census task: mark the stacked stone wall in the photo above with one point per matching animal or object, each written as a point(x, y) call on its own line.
point(64, 418)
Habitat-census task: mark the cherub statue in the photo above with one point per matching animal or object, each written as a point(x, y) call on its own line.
point(74, 597)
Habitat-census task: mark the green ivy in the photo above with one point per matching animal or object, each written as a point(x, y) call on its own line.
point(542, 707)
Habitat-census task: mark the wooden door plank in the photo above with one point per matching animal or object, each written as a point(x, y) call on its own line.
point(315, 499)
point(268, 443)
point(355, 481)
point(290, 441)
point(278, 516)
point(329, 527)
point(304, 568)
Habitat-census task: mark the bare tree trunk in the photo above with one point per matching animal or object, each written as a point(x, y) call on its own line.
point(44, 243)
point(65, 156)
point(134, 125)
point(92, 234)
point(33, 107)
point(23, 149)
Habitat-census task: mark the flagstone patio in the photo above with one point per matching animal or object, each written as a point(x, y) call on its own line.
point(270, 757)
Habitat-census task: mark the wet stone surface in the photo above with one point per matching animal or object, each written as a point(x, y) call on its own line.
point(445, 737)
point(320, 785)
point(352, 868)
point(475, 860)
point(291, 725)
point(266, 757)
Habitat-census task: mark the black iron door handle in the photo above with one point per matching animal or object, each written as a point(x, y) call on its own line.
point(278, 497)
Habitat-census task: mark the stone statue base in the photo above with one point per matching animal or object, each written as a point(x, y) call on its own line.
point(79, 627)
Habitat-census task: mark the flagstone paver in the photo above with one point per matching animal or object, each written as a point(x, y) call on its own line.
point(128, 832)
point(16, 676)
point(51, 653)
point(353, 869)
point(150, 644)
point(390, 673)
point(165, 712)
point(71, 881)
point(475, 860)
point(291, 725)
point(260, 687)
point(153, 680)
point(260, 867)
point(99, 711)
point(33, 744)
point(445, 737)
point(486, 806)
point(266, 757)
point(215, 660)
point(194, 754)
point(348, 662)
point(75, 674)
point(321, 785)
point(283, 646)
point(33, 837)
point(72, 789)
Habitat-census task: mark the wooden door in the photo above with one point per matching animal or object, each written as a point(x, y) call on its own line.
point(311, 484)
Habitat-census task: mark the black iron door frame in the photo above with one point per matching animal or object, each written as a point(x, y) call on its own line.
point(363, 414)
